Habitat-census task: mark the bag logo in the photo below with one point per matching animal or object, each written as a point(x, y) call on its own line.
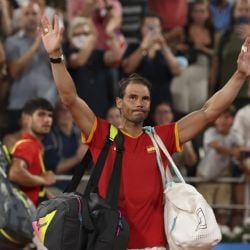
point(40, 229)
point(41, 225)
point(202, 224)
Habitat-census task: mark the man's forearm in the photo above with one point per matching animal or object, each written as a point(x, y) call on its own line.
point(224, 97)
point(25, 179)
point(66, 165)
point(131, 63)
point(171, 61)
point(18, 65)
point(211, 110)
point(64, 83)
point(6, 22)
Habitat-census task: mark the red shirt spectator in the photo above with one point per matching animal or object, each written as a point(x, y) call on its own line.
point(172, 12)
point(29, 149)
point(26, 168)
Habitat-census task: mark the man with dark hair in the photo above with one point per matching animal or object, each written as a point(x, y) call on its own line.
point(37, 103)
point(27, 168)
point(132, 78)
point(152, 58)
point(141, 191)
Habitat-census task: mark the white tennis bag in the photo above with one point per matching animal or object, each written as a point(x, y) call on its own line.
point(189, 221)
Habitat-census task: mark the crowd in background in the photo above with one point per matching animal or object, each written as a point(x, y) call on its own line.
point(186, 49)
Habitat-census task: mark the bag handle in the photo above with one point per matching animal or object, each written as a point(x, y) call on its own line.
point(79, 172)
point(158, 159)
point(158, 144)
point(165, 151)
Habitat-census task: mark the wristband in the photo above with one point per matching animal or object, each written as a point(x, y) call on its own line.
point(57, 59)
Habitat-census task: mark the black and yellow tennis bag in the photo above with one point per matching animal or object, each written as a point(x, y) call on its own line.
point(15, 209)
point(74, 221)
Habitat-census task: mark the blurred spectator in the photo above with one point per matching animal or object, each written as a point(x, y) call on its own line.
point(5, 30)
point(27, 167)
point(4, 90)
point(242, 121)
point(228, 48)
point(242, 127)
point(221, 12)
point(189, 90)
point(173, 13)
point(152, 59)
point(63, 150)
point(45, 10)
point(163, 114)
point(186, 159)
point(113, 116)
point(106, 15)
point(6, 26)
point(222, 146)
point(10, 139)
point(93, 70)
point(28, 66)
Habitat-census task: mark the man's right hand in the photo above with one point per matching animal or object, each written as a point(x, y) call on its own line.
point(52, 37)
point(49, 178)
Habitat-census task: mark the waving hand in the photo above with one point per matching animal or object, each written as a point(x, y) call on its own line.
point(243, 61)
point(52, 36)
point(52, 40)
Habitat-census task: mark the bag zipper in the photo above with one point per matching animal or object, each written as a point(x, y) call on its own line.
point(80, 219)
point(119, 226)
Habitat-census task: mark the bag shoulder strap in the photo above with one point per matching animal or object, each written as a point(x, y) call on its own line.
point(5, 157)
point(87, 160)
point(92, 185)
point(78, 173)
point(112, 196)
point(157, 141)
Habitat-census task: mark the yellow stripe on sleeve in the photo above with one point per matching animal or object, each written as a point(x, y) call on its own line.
point(18, 143)
point(42, 162)
point(179, 147)
point(87, 140)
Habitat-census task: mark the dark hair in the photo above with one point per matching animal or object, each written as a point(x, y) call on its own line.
point(208, 23)
point(133, 78)
point(150, 14)
point(37, 103)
